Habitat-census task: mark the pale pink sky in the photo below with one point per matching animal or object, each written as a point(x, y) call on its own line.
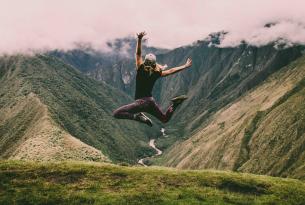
point(48, 24)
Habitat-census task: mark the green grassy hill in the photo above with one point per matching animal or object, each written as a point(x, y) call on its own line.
point(97, 183)
point(49, 110)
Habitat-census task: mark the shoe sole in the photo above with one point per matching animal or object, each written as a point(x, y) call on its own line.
point(147, 120)
point(183, 97)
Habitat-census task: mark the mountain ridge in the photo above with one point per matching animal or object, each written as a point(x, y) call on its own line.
point(81, 106)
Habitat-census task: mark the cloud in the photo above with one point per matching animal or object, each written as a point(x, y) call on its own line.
point(285, 32)
point(62, 24)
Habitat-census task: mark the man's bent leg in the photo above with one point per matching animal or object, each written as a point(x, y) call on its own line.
point(126, 111)
point(156, 111)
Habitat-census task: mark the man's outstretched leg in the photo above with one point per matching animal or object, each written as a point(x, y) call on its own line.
point(133, 111)
point(156, 111)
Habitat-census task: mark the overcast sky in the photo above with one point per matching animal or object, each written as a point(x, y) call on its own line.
point(48, 24)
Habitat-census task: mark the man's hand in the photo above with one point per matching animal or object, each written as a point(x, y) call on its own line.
point(141, 34)
point(162, 67)
point(139, 60)
point(188, 63)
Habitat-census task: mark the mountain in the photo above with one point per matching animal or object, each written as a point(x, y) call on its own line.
point(215, 127)
point(49, 110)
point(261, 131)
point(114, 65)
point(217, 77)
point(100, 183)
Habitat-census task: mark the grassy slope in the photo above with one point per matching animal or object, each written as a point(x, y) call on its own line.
point(95, 183)
point(217, 78)
point(26, 129)
point(278, 148)
point(281, 128)
point(28, 132)
point(80, 106)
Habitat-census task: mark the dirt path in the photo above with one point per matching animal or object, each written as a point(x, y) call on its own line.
point(152, 145)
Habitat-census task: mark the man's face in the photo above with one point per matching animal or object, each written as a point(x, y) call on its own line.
point(150, 63)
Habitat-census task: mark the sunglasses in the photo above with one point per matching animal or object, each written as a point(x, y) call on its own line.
point(150, 63)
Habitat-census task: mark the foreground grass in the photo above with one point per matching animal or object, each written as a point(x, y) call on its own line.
point(96, 183)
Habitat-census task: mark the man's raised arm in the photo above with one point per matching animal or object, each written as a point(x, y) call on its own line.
point(139, 48)
point(177, 69)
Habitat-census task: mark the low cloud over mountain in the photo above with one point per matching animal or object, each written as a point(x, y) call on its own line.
point(45, 24)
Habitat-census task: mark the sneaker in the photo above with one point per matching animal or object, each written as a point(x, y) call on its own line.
point(143, 118)
point(178, 100)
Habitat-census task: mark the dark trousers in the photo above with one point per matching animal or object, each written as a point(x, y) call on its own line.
point(146, 104)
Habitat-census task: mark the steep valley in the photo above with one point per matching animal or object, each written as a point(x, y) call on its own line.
point(218, 75)
point(232, 92)
point(237, 116)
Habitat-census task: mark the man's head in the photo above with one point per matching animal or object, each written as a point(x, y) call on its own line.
point(150, 60)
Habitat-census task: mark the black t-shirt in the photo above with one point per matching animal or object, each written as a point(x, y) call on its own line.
point(145, 80)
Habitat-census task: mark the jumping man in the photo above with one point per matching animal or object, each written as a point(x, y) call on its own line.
point(147, 74)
